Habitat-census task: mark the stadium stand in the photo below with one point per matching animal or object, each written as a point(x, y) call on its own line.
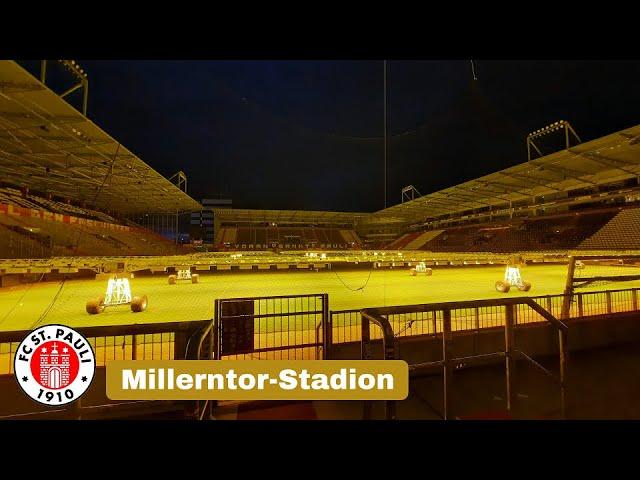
point(16, 243)
point(350, 237)
point(545, 233)
point(287, 238)
point(34, 233)
point(12, 196)
point(417, 243)
point(413, 240)
point(401, 242)
point(226, 236)
point(622, 232)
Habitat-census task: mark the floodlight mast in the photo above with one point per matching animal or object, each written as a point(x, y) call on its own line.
point(569, 132)
point(409, 193)
point(78, 72)
point(473, 70)
point(179, 179)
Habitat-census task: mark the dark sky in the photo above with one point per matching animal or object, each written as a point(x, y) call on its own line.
point(308, 134)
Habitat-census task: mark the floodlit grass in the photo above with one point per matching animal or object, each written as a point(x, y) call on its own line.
point(27, 306)
point(22, 307)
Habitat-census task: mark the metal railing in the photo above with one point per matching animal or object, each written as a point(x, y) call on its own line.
point(445, 314)
point(301, 326)
point(255, 328)
point(163, 341)
point(477, 315)
point(389, 352)
point(269, 328)
point(202, 348)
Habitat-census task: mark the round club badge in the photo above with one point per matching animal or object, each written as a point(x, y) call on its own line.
point(54, 365)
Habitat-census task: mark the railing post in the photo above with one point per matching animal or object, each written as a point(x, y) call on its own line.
point(216, 330)
point(211, 355)
point(580, 306)
point(134, 347)
point(180, 345)
point(74, 412)
point(607, 296)
point(191, 408)
point(327, 329)
point(212, 337)
point(564, 354)
point(568, 289)
point(391, 352)
point(365, 354)
point(634, 298)
point(509, 357)
point(447, 366)
point(434, 318)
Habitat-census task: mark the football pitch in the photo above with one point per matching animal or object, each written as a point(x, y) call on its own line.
point(28, 306)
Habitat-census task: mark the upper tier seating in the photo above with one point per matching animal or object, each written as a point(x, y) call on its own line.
point(37, 234)
point(12, 196)
point(561, 232)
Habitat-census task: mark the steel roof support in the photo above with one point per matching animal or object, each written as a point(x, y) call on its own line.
point(608, 161)
point(527, 178)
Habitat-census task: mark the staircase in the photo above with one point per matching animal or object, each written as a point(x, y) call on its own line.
point(419, 242)
point(401, 242)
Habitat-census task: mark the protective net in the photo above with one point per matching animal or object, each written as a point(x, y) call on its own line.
point(601, 271)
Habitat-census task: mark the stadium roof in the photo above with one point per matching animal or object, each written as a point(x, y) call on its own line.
point(285, 216)
point(47, 145)
point(609, 159)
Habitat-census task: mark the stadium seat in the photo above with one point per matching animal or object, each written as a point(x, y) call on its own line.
point(36, 233)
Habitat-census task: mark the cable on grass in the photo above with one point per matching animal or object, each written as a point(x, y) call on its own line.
point(351, 288)
point(50, 306)
point(21, 298)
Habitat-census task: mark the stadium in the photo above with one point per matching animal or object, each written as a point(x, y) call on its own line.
point(544, 254)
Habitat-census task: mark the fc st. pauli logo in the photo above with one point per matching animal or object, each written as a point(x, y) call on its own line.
point(54, 365)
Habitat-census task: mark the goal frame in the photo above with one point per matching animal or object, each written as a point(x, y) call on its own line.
point(572, 280)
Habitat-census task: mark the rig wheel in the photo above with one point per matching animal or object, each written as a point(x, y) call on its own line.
point(139, 304)
point(525, 287)
point(428, 272)
point(172, 279)
point(195, 278)
point(502, 286)
point(413, 272)
point(95, 305)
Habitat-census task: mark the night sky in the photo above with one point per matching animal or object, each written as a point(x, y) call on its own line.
point(308, 134)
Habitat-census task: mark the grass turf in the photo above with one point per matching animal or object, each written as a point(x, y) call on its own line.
point(22, 307)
